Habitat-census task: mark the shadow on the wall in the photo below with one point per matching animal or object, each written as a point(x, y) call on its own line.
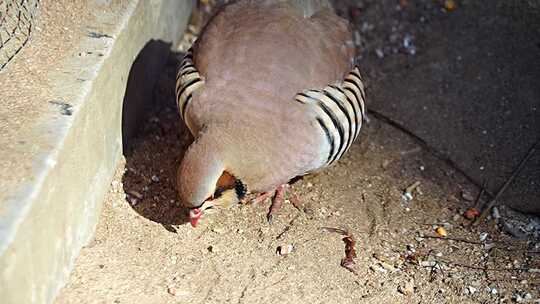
point(154, 137)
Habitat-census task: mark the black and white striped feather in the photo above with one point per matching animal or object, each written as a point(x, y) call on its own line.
point(188, 80)
point(340, 111)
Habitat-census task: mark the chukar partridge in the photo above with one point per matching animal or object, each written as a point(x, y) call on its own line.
point(270, 92)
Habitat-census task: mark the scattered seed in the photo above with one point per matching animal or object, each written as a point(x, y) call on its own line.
point(441, 231)
point(449, 5)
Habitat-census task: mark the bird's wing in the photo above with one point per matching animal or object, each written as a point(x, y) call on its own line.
point(339, 111)
point(188, 80)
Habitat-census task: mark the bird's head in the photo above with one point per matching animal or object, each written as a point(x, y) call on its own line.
point(204, 183)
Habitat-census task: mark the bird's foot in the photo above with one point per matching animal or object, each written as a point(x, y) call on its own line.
point(277, 201)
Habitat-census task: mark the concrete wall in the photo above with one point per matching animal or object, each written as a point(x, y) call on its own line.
point(46, 221)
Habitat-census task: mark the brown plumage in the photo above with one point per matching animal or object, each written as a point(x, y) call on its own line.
point(238, 96)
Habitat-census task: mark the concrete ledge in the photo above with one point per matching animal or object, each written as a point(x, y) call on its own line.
point(46, 217)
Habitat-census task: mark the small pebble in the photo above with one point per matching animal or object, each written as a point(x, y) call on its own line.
point(284, 249)
point(428, 263)
point(467, 196)
point(495, 213)
point(407, 196)
point(155, 179)
point(218, 230)
point(470, 290)
point(377, 268)
point(133, 201)
point(172, 291)
point(387, 266)
point(407, 288)
point(488, 246)
point(483, 236)
point(135, 194)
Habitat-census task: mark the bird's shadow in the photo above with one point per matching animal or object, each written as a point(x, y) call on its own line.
point(154, 138)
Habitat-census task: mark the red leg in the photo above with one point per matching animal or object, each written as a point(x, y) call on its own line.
point(262, 197)
point(277, 201)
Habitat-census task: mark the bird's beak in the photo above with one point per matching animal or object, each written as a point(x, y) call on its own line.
point(194, 216)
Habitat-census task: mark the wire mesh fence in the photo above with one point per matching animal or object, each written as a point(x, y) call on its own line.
point(16, 25)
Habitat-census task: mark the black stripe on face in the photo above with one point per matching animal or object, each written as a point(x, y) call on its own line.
point(240, 189)
point(329, 137)
point(346, 113)
point(355, 113)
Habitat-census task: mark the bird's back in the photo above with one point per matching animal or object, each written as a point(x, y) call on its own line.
point(268, 49)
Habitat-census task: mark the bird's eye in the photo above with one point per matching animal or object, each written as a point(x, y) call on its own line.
point(218, 192)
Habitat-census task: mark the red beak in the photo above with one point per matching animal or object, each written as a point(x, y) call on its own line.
point(194, 216)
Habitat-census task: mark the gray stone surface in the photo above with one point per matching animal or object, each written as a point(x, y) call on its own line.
point(471, 90)
point(61, 134)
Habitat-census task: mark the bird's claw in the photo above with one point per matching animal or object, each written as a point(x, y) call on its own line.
point(269, 218)
point(277, 201)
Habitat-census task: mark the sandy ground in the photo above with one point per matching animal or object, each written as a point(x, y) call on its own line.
point(144, 251)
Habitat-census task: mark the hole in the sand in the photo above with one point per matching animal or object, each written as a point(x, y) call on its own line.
point(154, 137)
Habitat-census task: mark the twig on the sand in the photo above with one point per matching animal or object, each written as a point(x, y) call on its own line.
point(494, 200)
point(479, 196)
point(447, 238)
point(463, 240)
point(483, 268)
point(287, 228)
point(350, 253)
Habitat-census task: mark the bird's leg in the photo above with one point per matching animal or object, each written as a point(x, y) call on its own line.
point(277, 201)
point(262, 197)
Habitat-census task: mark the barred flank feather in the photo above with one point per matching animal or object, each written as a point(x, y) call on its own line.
point(340, 112)
point(188, 80)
